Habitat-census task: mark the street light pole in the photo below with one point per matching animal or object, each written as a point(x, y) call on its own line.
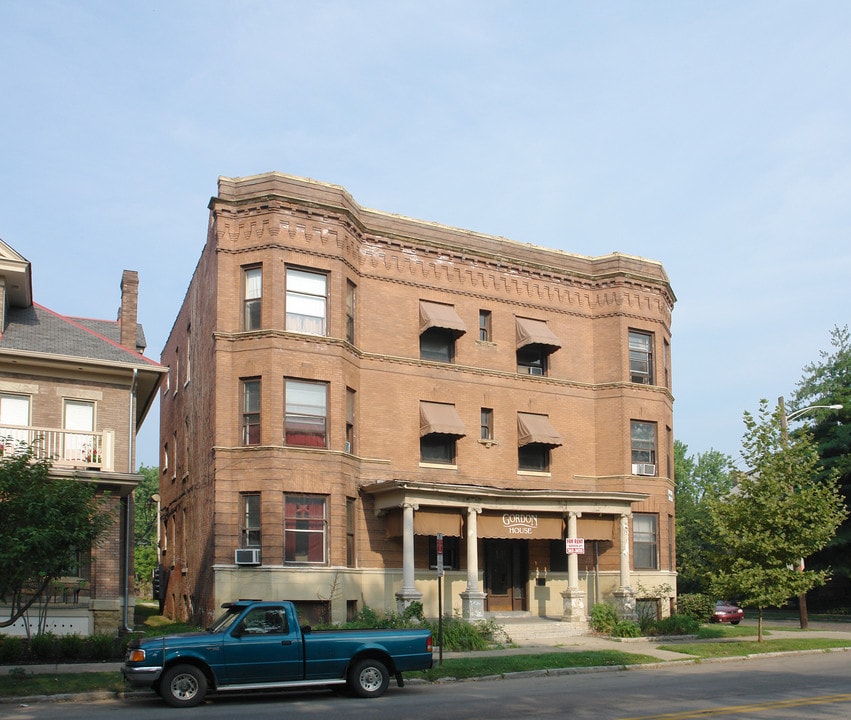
point(784, 435)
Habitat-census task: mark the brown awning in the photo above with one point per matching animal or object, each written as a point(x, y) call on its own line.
point(535, 332)
point(441, 418)
point(596, 528)
point(536, 429)
point(431, 522)
point(520, 525)
point(438, 315)
point(426, 522)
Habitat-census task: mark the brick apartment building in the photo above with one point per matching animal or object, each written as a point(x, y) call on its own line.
point(78, 390)
point(347, 385)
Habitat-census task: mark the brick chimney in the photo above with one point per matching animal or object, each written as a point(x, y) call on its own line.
point(127, 313)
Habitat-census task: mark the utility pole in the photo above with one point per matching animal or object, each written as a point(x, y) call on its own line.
point(784, 435)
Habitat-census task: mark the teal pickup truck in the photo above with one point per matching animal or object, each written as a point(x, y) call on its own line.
point(257, 645)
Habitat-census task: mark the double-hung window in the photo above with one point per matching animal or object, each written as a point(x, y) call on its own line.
point(640, 357)
point(351, 294)
point(306, 420)
point(305, 529)
point(645, 541)
point(250, 412)
point(307, 301)
point(643, 440)
point(250, 520)
point(485, 331)
point(252, 298)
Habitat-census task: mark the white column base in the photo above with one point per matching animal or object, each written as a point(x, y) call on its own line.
point(473, 605)
point(573, 607)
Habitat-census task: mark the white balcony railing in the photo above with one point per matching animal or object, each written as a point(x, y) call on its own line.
point(64, 448)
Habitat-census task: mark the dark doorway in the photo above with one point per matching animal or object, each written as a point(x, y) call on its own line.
point(506, 574)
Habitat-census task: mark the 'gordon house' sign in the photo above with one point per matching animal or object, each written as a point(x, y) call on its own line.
point(520, 523)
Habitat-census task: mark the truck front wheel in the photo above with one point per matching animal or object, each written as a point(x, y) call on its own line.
point(369, 678)
point(183, 686)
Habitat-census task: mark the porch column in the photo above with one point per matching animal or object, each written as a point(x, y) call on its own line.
point(573, 599)
point(408, 593)
point(472, 599)
point(624, 595)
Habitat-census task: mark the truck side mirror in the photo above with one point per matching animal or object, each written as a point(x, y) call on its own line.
point(238, 631)
point(305, 629)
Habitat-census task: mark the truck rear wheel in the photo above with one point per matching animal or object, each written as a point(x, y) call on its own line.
point(369, 678)
point(183, 686)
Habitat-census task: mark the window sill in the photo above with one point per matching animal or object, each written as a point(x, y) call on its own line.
point(439, 466)
point(488, 442)
point(534, 473)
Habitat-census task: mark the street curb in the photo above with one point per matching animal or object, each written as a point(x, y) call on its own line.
point(519, 675)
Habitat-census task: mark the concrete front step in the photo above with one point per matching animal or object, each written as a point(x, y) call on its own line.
point(537, 631)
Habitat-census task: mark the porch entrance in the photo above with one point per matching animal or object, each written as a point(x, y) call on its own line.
point(506, 574)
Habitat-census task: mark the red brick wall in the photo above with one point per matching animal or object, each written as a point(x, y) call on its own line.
point(588, 303)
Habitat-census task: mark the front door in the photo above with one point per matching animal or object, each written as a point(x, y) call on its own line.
point(506, 574)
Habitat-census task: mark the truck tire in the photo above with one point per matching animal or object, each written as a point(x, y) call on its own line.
point(368, 678)
point(183, 686)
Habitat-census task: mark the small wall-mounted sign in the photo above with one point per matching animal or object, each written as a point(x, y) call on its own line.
point(574, 546)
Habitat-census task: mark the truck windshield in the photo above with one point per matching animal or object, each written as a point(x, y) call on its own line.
point(224, 621)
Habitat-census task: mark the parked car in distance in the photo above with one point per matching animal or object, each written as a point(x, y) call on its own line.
point(725, 611)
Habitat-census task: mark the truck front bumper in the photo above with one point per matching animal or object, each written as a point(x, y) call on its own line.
point(141, 676)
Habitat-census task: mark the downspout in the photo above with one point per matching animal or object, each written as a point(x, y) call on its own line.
point(128, 518)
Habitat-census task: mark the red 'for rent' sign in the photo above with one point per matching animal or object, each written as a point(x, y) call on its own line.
point(575, 546)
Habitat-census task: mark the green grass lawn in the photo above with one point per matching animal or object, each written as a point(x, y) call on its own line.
point(734, 648)
point(713, 641)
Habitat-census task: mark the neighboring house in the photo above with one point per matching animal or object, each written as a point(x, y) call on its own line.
point(79, 390)
point(351, 391)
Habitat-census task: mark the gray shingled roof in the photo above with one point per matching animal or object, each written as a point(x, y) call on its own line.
point(37, 329)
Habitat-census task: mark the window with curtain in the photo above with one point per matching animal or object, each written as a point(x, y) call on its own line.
point(14, 418)
point(305, 422)
point(253, 298)
point(79, 415)
point(306, 298)
point(305, 529)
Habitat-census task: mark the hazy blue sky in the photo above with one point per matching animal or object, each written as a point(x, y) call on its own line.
point(712, 136)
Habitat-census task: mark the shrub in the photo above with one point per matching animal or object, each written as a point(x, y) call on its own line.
point(626, 629)
point(11, 648)
point(101, 646)
point(71, 646)
point(43, 646)
point(676, 625)
point(603, 618)
point(697, 606)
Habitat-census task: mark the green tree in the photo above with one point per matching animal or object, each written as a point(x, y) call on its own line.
point(145, 528)
point(828, 382)
point(698, 478)
point(779, 512)
point(44, 522)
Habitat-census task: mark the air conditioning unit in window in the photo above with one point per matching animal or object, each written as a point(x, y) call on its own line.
point(247, 556)
point(644, 468)
point(536, 371)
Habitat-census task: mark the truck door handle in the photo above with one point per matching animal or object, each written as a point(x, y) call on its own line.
point(286, 642)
